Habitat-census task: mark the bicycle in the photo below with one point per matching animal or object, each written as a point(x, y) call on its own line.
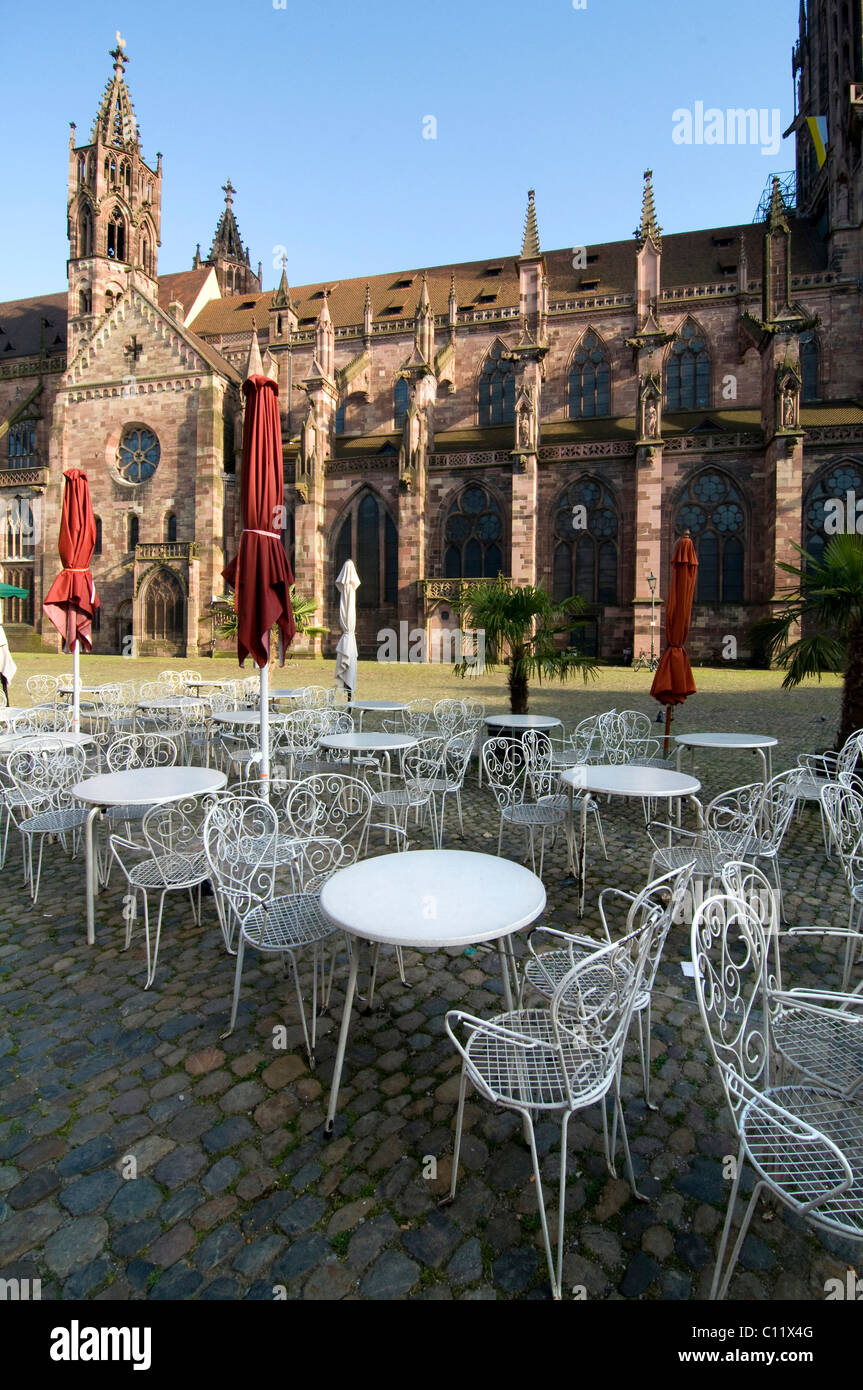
point(645, 663)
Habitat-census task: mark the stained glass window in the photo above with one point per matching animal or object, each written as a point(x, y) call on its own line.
point(138, 455)
point(688, 372)
point(369, 537)
point(496, 389)
point(585, 556)
point(473, 536)
point(713, 511)
point(589, 380)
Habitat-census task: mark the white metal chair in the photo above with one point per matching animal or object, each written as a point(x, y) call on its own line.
point(519, 788)
point(45, 777)
point(819, 770)
point(660, 901)
point(842, 813)
point(558, 1060)
point(240, 838)
point(455, 761)
point(170, 860)
point(42, 689)
point(804, 1143)
point(410, 787)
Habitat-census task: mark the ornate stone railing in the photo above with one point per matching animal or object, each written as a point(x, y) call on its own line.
point(451, 589)
point(24, 477)
point(166, 550)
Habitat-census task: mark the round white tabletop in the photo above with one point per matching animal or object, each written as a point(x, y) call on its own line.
point(164, 702)
point(629, 779)
point(205, 685)
point(11, 743)
point(431, 898)
point(10, 712)
point(144, 786)
point(245, 717)
point(282, 694)
point(387, 706)
point(366, 743)
point(740, 741)
point(521, 721)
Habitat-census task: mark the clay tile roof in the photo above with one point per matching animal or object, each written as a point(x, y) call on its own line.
point(689, 258)
point(185, 286)
point(20, 324)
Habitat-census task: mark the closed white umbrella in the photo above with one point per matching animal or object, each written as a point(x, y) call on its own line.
point(346, 649)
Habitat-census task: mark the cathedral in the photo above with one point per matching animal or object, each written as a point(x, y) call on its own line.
point(555, 417)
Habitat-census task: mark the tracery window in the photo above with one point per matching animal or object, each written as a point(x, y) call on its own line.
point(589, 380)
point(473, 536)
point(138, 454)
point(687, 382)
point(496, 389)
point(368, 536)
point(586, 527)
point(831, 486)
point(713, 511)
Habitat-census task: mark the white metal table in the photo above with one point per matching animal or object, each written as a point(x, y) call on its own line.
point(375, 707)
point(622, 779)
point(10, 712)
point(518, 724)
point(284, 694)
point(358, 742)
point(427, 900)
point(11, 743)
point(762, 744)
point(142, 786)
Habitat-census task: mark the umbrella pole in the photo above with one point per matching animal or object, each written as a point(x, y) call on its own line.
point(76, 688)
point(667, 728)
point(265, 732)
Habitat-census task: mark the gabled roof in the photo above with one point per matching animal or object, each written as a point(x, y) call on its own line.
point(20, 325)
point(688, 258)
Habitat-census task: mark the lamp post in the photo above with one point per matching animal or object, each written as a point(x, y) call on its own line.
point(651, 580)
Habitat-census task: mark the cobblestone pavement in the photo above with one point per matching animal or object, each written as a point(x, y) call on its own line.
point(237, 1193)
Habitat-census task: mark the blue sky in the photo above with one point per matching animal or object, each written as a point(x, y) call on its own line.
point(316, 112)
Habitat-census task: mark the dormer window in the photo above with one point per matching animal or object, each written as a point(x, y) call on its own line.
point(494, 270)
point(403, 284)
point(589, 284)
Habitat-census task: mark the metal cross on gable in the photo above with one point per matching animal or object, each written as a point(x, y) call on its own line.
point(133, 349)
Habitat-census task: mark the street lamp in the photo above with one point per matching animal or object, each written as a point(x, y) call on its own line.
point(651, 580)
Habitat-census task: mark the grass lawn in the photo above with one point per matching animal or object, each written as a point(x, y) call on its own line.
point(728, 699)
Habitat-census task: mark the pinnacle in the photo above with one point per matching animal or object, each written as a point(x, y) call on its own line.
point(530, 241)
point(649, 229)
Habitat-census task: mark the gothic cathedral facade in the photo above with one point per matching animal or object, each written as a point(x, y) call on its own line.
point(555, 417)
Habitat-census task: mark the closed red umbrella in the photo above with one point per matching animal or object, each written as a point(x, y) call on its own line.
point(71, 601)
point(673, 681)
point(260, 573)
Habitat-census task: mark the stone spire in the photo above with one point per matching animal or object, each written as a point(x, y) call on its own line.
point(424, 324)
point(452, 310)
point(228, 254)
point(115, 121)
point(254, 366)
point(776, 213)
point(367, 316)
point(649, 229)
point(530, 241)
point(282, 296)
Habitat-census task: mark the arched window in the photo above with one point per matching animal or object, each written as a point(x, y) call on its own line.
point(19, 610)
point(97, 544)
point(473, 536)
point(589, 380)
point(712, 510)
point(496, 389)
point(85, 231)
point(585, 553)
point(171, 527)
point(82, 168)
point(340, 418)
point(833, 485)
point(809, 366)
point(367, 535)
point(109, 301)
point(22, 444)
point(401, 399)
point(85, 301)
point(164, 609)
point(347, 418)
point(133, 529)
point(687, 382)
point(117, 236)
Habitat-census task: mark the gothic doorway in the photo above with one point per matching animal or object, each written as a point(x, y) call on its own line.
point(164, 614)
point(124, 628)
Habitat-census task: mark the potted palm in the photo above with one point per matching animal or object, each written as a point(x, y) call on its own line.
point(523, 627)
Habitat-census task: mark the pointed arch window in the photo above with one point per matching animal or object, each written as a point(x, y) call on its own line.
point(713, 511)
point(368, 536)
point(496, 389)
point(85, 231)
point(117, 236)
point(85, 301)
point(473, 536)
point(164, 609)
point(833, 485)
point(170, 527)
point(809, 365)
point(97, 544)
point(589, 380)
point(133, 529)
point(21, 445)
point(586, 527)
point(687, 381)
point(401, 399)
point(82, 168)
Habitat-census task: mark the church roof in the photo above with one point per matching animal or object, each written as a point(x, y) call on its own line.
point(689, 258)
point(21, 325)
point(184, 286)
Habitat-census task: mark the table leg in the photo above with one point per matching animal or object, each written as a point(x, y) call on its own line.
point(582, 853)
point(90, 874)
point(504, 970)
point(343, 1037)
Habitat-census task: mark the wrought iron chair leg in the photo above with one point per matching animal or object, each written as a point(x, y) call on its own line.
point(241, 948)
point(719, 1286)
point(462, 1092)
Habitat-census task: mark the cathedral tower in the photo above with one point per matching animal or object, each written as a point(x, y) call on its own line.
point(114, 211)
point(228, 255)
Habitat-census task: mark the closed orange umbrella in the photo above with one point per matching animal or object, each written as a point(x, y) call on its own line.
point(673, 681)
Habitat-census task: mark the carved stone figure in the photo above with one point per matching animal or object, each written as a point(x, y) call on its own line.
point(789, 409)
point(651, 416)
point(524, 430)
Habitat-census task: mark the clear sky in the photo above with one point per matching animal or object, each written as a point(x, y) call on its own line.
point(317, 113)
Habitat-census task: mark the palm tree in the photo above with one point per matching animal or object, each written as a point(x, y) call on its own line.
point(522, 624)
point(303, 609)
point(827, 601)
